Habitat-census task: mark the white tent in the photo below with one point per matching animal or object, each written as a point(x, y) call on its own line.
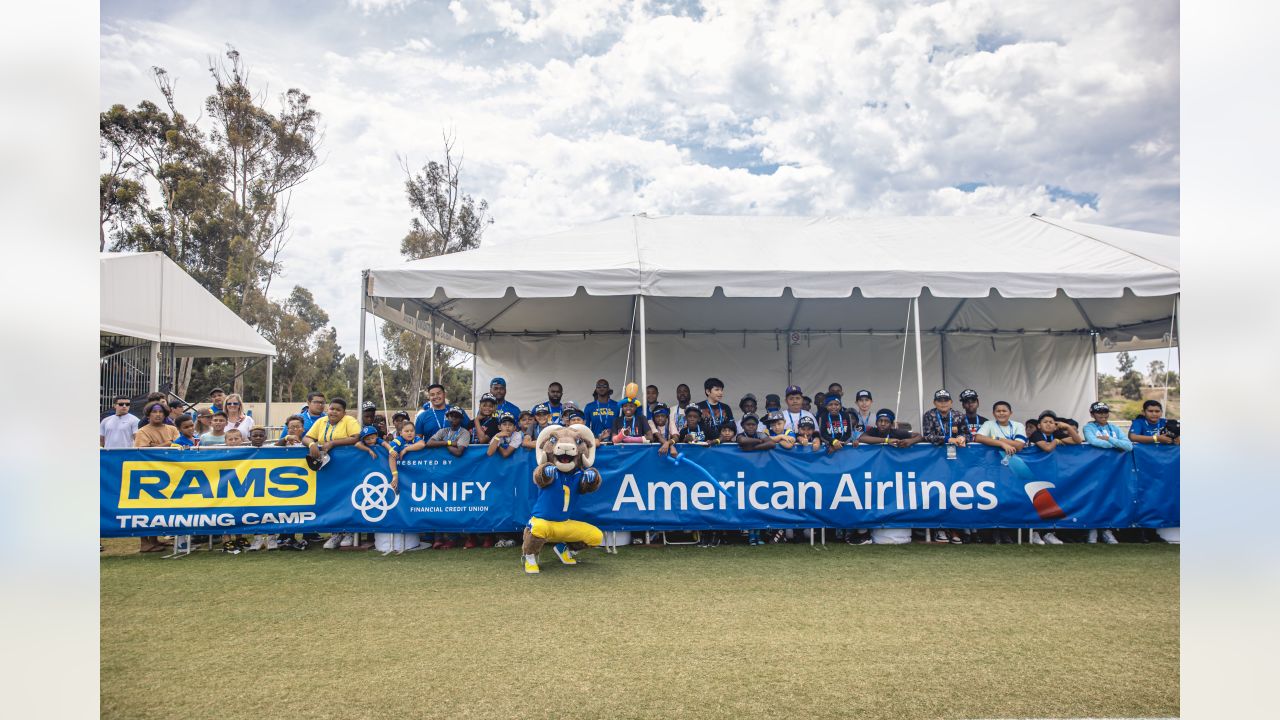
point(1015, 307)
point(148, 296)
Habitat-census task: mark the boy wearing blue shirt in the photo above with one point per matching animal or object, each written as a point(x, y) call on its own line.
point(1102, 434)
point(186, 433)
point(603, 409)
point(1150, 427)
point(714, 413)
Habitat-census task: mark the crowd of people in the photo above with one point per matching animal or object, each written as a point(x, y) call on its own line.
point(792, 421)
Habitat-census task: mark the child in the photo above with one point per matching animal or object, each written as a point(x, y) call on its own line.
point(233, 438)
point(884, 433)
point(746, 405)
point(835, 427)
point(661, 430)
point(1051, 432)
point(542, 420)
point(1008, 435)
point(751, 438)
point(1150, 428)
point(861, 413)
point(389, 542)
point(1100, 433)
point(525, 421)
point(485, 424)
point(807, 434)
point(973, 422)
point(507, 439)
point(257, 437)
point(694, 432)
point(186, 433)
point(772, 403)
point(728, 436)
point(399, 418)
point(294, 429)
point(714, 412)
point(795, 411)
point(454, 438)
point(369, 439)
point(216, 436)
point(631, 427)
point(942, 425)
point(778, 432)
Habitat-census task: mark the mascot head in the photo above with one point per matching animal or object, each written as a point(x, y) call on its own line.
point(568, 448)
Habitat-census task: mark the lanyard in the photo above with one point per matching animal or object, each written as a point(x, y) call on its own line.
point(1008, 435)
point(948, 425)
point(452, 435)
point(716, 420)
point(973, 424)
point(794, 420)
point(831, 424)
point(629, 427)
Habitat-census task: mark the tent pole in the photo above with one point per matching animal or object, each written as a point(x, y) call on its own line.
point(919, 363)
point(433, 352)
point(360, 353)
point(475, 385)
point(271, 366)
point(644, 358)
point(1168, 356)
point(153, 367)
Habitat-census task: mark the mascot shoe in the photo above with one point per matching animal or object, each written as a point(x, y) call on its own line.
point(565, 554)
point(531, 564)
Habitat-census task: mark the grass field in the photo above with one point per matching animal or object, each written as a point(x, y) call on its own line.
point(916, 631)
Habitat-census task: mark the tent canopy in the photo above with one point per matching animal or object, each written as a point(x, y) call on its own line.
point(147, 296)
point(998, 297)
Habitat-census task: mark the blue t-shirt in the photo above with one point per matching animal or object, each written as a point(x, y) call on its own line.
point(430, 420)
point(507, 406)
point(398, 443)
point(555, 501)
point(600, 415)
point(556, 410)
point(1142, 427)
point(184, 442)
point(307, 421)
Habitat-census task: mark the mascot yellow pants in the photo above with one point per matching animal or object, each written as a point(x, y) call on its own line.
point(565, 531)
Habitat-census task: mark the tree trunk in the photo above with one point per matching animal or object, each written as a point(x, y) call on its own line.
point(183, 381)
point(416, 367)
point(237, 386)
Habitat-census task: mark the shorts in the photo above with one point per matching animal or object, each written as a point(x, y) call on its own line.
point(566, 531)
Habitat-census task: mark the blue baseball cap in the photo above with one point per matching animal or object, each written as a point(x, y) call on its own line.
point(368, 430)
point(661, 408)
point(498, 381)
point(541, 408)
point(793, 390)
point(887, 414)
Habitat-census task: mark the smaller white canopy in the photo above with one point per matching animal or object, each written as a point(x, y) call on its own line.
point(147, 296)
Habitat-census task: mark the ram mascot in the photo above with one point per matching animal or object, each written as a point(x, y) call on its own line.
point(564, 472)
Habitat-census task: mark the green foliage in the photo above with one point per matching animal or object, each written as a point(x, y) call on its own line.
point(217, 203)
point(1108, 385)
point(1125, 361)
point(1131, 384)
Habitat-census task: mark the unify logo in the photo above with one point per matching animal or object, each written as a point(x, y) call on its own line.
point(371, 498)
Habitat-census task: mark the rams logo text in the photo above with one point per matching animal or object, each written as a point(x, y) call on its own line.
point(217, 483)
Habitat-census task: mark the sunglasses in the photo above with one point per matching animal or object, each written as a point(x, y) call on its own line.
point(233, 404)
point(122, 404)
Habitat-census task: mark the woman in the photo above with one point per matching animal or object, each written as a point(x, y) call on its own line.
point(236, 419)
point(155, 434)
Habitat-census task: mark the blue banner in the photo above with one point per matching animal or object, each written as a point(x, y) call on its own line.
point(270, 490)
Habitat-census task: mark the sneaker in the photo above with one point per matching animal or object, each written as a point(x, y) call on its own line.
point(753, 538)
point(348, 540)
point(332, 542)
point(957, 539)
point(287, 545)
point(1036, 539)
point(229, 546)
point(258, 542)
point(531, 564)
point(242, 543)
point(302, 544)
point(1051, 539)
point(1093, 537)
point(505, 543)
point(1109, 538)
point(566, 555)
point(861, 539)
point(940, 536)
point(272, 543)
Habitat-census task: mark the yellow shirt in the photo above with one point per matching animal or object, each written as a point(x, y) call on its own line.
point(322, 431)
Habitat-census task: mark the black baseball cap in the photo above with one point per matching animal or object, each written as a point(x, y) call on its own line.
point(968, 394)
point(1099, 407)
point(942, 395)
point(862, 394)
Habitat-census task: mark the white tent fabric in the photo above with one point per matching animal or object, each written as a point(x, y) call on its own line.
point(1011, 306)
point(147, 296)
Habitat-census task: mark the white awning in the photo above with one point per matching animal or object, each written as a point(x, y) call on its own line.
point(147, 296)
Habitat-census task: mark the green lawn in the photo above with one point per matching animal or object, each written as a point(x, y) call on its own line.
point(916, 631)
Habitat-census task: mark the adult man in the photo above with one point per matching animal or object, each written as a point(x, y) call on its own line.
point(498, 389)
point(115, 432)
point(973, 422)
point(683, 399)
point(650, 399)
point(555, 391)
point(714, 412)
point(838, 390)
point(216, 397)
point(603, 409)
point(432, 418)
point(795, 408)
point(311, 412)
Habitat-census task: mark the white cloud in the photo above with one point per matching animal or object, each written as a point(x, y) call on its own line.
point(573, 112)
point(369, 7)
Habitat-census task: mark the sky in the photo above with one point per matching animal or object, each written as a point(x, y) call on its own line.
point(568, 113)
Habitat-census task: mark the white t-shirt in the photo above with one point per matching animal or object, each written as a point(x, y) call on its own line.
point(118, 430)
point(1013, 431)
point(244, 426)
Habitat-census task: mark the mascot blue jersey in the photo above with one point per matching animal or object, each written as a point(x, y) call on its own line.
point(555, 501)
